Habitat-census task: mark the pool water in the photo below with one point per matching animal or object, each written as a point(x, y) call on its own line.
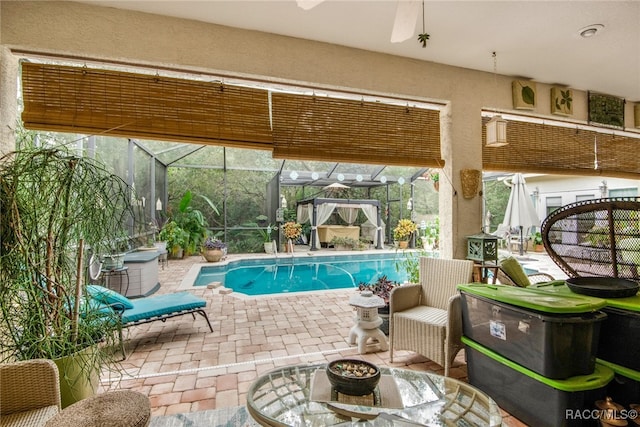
point(287, 274)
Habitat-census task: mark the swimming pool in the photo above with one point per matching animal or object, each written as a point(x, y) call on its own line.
point(297, 274)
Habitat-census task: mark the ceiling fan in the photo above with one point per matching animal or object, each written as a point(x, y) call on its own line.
point(404, 25)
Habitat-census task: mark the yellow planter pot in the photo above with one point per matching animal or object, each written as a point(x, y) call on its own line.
point(78, 375)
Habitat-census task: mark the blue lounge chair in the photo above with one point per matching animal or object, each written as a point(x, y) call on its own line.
point(138, 311)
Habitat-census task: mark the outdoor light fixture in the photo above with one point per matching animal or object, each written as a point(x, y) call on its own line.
point(496, 132)
point(158, 204)
point(497, 126)
point(410, 204)
point(283, 202)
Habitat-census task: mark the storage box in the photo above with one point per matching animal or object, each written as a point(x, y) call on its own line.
point(553, 335)
point(620, 331)
point(533, 398)
point(620, 338)
point(625, 386)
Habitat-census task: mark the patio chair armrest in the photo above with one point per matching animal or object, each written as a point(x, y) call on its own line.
point(404, 297)
point(454, 319)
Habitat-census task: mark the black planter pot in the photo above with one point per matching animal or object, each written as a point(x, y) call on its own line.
point(384, 315)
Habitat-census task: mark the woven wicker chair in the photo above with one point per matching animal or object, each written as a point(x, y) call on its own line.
point(29, 393)
point(427, 317)
point(599, 237)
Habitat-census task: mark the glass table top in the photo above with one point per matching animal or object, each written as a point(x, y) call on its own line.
point(283, 397)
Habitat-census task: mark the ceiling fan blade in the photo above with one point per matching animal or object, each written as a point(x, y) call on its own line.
point(308, 4)
point(404, 25)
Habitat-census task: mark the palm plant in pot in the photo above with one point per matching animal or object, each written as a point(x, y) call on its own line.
point(58, 209)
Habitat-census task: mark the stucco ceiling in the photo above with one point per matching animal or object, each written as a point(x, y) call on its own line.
point(539, 40)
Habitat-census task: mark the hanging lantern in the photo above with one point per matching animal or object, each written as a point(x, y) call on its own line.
point(496, 132)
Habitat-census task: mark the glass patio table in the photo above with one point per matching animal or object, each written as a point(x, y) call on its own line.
point(289, 396)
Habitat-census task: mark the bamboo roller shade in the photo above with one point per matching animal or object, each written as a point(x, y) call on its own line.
point(320, 128)
point(540, 148)
point(83, 100)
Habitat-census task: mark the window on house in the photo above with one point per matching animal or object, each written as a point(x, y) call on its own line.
point(553, 203)
point(624, 192)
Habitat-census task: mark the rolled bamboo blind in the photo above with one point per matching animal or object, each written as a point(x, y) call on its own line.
point(320, 128)
point(96, 101)
point(541, 148)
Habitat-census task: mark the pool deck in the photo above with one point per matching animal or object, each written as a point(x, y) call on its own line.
point(183, 367)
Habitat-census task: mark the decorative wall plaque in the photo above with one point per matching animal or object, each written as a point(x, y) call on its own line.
point(606, 110)
point(524, 94)
point(561, 101)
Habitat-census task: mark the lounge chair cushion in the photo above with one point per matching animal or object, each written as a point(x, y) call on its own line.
point(160, 305)
point(514, 270)
point(109, 297)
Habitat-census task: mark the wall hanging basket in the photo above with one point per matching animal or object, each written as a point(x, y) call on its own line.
point(470, 181)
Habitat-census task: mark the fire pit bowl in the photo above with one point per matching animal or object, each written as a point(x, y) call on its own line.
point(353, 377)
point(603, 287)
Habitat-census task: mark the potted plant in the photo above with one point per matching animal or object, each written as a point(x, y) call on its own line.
point(292, 231)
point(175, 237)
point(402, 232)
point(117, 248)
point(193, 222)
point(536, 238)
point(213, 249)
point(382, 288)
point(435, 178)
point(266, 233)
point(50, 227)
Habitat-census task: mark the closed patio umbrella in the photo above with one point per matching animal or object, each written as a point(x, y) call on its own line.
point(520, 211)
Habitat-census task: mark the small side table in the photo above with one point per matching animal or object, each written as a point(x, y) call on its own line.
point(481, 272)
point(122, 274)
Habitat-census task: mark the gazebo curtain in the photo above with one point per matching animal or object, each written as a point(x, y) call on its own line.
point(304, 213)
point(349, 215)
point(324, 211)
point(371, 212)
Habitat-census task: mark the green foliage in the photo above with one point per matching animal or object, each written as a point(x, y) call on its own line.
point(57, 209)
point(348, 242)
point(537, 238)
point(193, 222)
point(174, 235)
point(496, 196)
point(382, 287)
point(410, 263)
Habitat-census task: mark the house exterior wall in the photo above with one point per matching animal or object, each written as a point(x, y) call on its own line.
point(550, 191)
